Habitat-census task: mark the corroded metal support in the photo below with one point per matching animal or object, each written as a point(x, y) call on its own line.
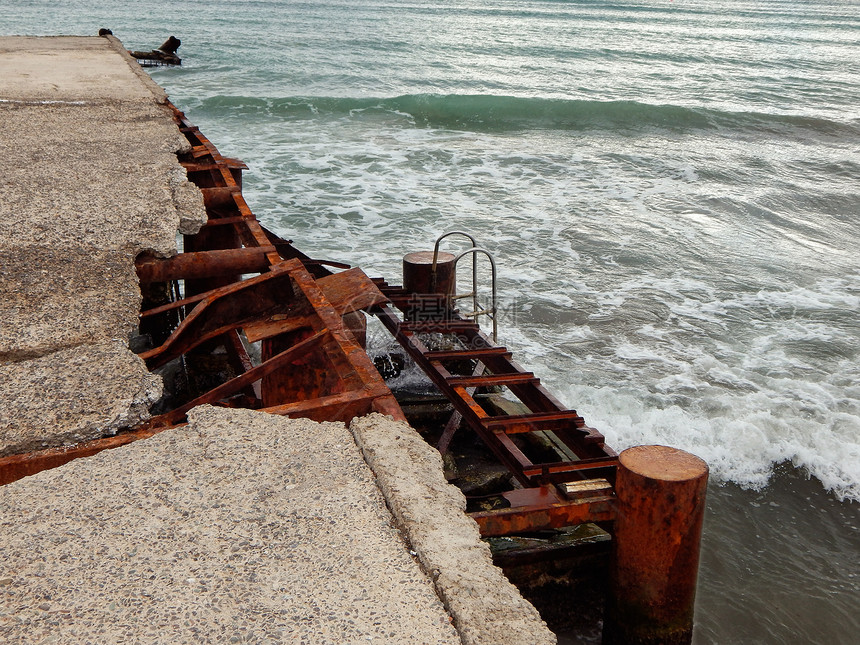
point(655, 555)
point(15, 467)
point(542, 509)
point(419, 275)
point(546, 413)
point(431, 279)
point(204, 264)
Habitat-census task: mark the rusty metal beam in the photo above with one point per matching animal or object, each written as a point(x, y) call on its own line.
point(224, 309)
point(15, 467)
point(204, 264)
point(528, 519)
point(234, 385)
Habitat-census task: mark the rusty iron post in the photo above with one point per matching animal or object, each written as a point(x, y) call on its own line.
point(432, 283)
point(655, 557)
point(418, 273)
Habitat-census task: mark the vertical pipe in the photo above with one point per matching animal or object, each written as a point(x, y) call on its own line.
point(660, 507)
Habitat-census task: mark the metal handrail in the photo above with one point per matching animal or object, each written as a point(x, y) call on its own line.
point(474, 250)
point(474, 293)
point(491, 312)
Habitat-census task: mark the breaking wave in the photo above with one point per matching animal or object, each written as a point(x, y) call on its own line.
point(490, 113)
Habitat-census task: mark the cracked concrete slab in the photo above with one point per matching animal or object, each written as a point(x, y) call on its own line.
point(240, 527)
point(91, 180)
point(80, 393)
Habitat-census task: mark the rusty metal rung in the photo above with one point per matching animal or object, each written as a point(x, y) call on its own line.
point(468, 354)
point(444, 327)
point(537, 470)
point(490, 380)
point(536, 421)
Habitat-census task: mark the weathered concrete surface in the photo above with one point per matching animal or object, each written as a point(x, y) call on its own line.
point(486, 607)
point(241, 527)
point(71, 392)
point(90, 180)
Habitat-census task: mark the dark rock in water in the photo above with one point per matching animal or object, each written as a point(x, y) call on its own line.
point(164, 55)
point(170, 45)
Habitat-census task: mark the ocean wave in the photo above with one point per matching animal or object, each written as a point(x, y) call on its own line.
point(491, 113)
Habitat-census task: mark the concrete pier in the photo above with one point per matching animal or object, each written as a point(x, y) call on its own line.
point(241, 526)
point(90, 179)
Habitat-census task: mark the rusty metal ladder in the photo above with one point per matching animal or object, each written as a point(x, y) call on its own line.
point(566, 490)
point(544, 484)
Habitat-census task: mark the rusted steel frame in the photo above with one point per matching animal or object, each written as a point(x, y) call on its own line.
point(348, 349)
point(537, 398)
point(561, 470)
point(175, 304)
point(533, 395)
point(386, 404)
point(458, 396)
point(467, 354)
point(234, 385)
point(204, 264)
point(518, 455)
point(218, 197)
point(224, 221)
point(355, 371)
point(343, 406)
point(15, 467)
point(277, 325)
point(490, 380)
point(240, 361)
point(528, 519)
point(439, 327)
point(538, 496)
point(496, 438)
point(232, 163)
point(585, 442)
point(224, 309)
point(513, 424)
point(287, 251)
point(256, 235)
point(455, 419)
point(563, 427)
point(339, 302)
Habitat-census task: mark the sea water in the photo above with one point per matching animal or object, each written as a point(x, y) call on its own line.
point(670, 191)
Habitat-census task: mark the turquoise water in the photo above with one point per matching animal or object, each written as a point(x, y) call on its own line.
point(670, 190)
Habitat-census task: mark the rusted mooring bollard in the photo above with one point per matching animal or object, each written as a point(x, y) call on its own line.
point(432, 284)
point(661, 504)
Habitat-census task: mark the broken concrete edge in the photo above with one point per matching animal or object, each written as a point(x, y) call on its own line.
point(187, 197)
point(486, 607)
point(74, 395)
